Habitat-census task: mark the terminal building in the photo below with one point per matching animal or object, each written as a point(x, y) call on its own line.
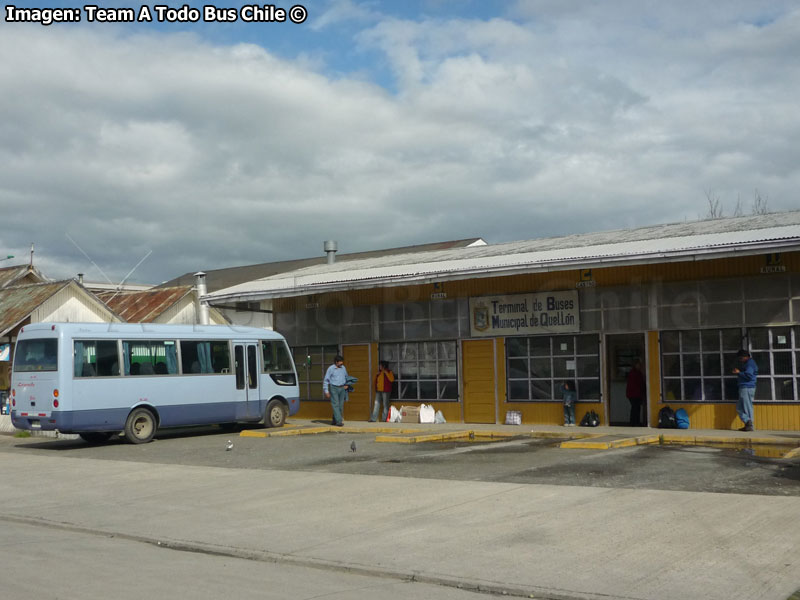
point(478, 331)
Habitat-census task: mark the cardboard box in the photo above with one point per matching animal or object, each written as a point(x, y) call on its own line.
point(409, 414)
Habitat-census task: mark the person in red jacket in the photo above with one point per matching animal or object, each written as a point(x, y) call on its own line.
point(383, 388)
point(636, 393)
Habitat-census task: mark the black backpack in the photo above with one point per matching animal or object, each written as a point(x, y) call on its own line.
point(590, 419)
point(666, 418)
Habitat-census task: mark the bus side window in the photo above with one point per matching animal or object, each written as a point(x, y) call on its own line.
point(277, 358)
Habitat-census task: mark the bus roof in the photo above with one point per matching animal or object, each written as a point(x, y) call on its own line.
point(145, 330)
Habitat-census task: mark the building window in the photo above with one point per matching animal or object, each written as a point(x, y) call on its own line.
point(432, 320)
point(329, 324)
point(696, 366)
point(536, 367)
point(424, 371)
point(776, 351)
point(311, 363)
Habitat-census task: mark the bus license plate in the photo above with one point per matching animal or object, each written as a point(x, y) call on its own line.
point(36, 424)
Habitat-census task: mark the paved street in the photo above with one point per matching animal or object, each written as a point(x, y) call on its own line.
point(518, 516)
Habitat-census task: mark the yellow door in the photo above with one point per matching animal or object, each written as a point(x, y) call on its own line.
point(357, 362)
point(479, 381)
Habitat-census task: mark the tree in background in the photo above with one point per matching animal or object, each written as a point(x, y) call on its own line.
point(716, 210)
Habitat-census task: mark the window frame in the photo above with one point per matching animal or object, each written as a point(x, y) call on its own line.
point(442, 382)
point(551, 355)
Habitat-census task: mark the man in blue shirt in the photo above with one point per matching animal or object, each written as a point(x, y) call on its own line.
point(334, 385)
point(747, 389)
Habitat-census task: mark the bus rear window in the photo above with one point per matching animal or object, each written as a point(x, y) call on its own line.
point(36, 355)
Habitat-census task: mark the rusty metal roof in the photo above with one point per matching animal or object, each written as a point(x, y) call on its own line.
point(17, 303)
point(14, 275)
point(143, 306)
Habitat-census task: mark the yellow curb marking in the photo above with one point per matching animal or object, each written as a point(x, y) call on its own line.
point(253, 434)
point(326, 429)
point(792, 453)
point(586, 445)
point(481, 435)
point(622, 443)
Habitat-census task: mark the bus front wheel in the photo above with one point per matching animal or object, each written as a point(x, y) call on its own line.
point(140, 426)
point(275, 414)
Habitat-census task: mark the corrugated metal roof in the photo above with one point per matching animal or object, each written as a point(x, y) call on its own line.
point(16, 303)
point(144, 306)
point(651, 244)
point(12, 275)
point(217, 279)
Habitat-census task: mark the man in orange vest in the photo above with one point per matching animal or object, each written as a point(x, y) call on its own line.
point(383, 387)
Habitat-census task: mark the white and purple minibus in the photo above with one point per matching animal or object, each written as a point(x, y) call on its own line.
point(98, 379)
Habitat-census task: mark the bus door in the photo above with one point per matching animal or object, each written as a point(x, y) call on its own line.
point(246, 370)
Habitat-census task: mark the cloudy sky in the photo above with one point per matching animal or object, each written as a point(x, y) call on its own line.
point(383, 123)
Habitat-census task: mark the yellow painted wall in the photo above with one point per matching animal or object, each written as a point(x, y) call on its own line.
point(315, 409)
point(479, 383)
point(653, 377)
point(562, 280)
point(706, 416)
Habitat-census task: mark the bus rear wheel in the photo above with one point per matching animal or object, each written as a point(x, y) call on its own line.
point(95, 437)
point(275, 414)
point(140, 426)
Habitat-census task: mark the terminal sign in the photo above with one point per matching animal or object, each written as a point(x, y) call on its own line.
point(524, 314)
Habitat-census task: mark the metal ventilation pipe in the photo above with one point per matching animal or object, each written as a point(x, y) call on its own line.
point(201, 307)
point(80, 278)
point(330, 248)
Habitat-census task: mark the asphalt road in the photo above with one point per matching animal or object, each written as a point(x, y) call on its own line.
point(524, 460)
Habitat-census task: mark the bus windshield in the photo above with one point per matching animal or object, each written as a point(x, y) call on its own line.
point(36, 355)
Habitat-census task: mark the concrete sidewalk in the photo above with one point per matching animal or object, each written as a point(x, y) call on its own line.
point(542, 540)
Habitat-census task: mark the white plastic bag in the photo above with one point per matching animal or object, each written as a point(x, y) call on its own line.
point(439, 417)
point(394, 415)
point(426, 413)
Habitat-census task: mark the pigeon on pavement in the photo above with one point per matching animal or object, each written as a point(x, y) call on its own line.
point(229, 445)
point(353, 446)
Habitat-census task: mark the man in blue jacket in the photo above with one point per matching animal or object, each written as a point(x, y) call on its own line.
point(334, 385)
point(747, 389)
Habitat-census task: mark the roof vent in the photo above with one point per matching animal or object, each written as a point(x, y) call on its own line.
point(330, 248)
point(201, 307)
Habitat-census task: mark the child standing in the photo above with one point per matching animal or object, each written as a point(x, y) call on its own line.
point(570, 397)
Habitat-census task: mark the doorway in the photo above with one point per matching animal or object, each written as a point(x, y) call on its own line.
point(622, 351)
point(479, 381)
point(358, 361)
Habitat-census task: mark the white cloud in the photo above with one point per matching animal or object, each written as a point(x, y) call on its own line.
point(559, 118)
point(345, 11)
